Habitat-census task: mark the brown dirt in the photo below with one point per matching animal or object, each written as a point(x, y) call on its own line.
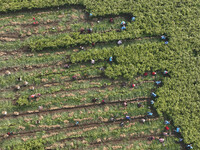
point(69, 128)
point(64, 109)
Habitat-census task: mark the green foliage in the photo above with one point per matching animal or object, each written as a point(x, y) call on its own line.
point(37, 144)
point(23, 100)
point(179, 96)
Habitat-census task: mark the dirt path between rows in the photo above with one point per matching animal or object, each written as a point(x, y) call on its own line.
point(81, 126)
point(69, 108)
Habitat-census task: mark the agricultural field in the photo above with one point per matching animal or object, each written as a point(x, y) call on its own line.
point(92, 74)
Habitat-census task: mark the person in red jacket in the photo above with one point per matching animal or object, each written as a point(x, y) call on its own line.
point(153, 73)
point(145, 74)
point(133, 85)
point(103, 102)
point(166, 128)
point(10, 133)
point(111, 20)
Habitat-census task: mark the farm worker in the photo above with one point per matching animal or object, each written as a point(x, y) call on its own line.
point(152, 102)
point(145, 74)
point(91, 14)
point(77, 123)
point(189, 146)
point(112, 119)
point(163, 37)
point(180, 139)
point(92, 61)
point(40, 107)
point(17, 87)
point(111, 59)
point(123, 23)
point(128, 117)
point(139, 105)
point(133, 19)
point(165, 72)
point(90, 30)
point(167, 128)
point(122, 124)
point(151, 138)
point(161, 140)
point(37, 122)
point(133, 85)
point(82, 30)
point(123, 28)
point(125, 104)
point(103, 102)
point(66, 66)
point(166, 42)
point(94, 100)
point(10, 133)
point(167, 122)
point(25, 83)
point(177, 130)
point(74, 77)
point(153, 94)
point(102, 69)
point(38, 95)
point(19, 79)
point(149, 113)
point(164, 133)
point(153, 73)
point(93, 44)
point(158, 82)
point(119, 42)
point(111, 20)
point(33, 96)
point(81, 47)
point(143, 120)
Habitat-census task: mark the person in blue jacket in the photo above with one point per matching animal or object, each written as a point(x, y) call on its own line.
point(189, 146)
point(158, 82)
point(149, 114)
point(177, 130)
point(153, 94)
point(167, 122)
point(163, 37)
point(110, 59)
point(133, 19)
point(123, 23)
point(128, 117)
point(165, 72)
point(152, 102)
point(123, 28)
point(77, 123)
